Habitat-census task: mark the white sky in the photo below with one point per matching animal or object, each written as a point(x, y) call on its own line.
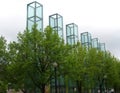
point(99, 17)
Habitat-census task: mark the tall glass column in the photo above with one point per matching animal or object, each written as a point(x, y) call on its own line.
point(95, 43)
point(71, 34)
point(86, 39)
point(56, 22)
point(102, 47)
point(35, 15)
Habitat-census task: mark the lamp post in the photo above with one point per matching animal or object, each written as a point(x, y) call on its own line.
point(55, 70)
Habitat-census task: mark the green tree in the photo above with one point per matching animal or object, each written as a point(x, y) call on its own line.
point(3, 65)
point(92, 69)
point(112, 72)
point(34, 56)
point(97, 65)
point(15, 71)
point(74, 66)
point(102, 67)
point(116, 80)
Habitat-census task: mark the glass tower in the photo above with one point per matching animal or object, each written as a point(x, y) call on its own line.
point(86, 39)
point(102, 46)
point(95, 43)
point(56, 22)
point(35, 15)
point(71, 33)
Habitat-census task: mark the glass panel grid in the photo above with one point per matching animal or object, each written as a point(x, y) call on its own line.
point(71, 33)
point(35, 14)
point(31, 23)
point(56, 22)
point(30, 11)
point(95, 43)
point(86, 39)
point(102, 46)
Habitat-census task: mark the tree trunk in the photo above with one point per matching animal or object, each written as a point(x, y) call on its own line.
point(79, 86)
point(100, 88)
point(42, 88)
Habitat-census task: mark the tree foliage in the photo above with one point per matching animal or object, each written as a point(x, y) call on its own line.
point(34, 55)
point(27, 64)
point(3, 65)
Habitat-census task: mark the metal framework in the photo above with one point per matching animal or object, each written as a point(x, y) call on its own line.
point(86, 39)
point(35, 15)
point(71, 33)
point(56, 22)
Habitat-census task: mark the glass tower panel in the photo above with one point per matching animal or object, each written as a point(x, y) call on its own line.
point(95, 43)
point(102, 46)
point(35, 15)
point(86, 39)
point(71, 34)
point(56, 22)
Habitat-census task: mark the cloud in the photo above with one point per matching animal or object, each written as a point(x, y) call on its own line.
point(99, 17)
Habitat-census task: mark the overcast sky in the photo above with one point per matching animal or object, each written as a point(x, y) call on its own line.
point(99, 17)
